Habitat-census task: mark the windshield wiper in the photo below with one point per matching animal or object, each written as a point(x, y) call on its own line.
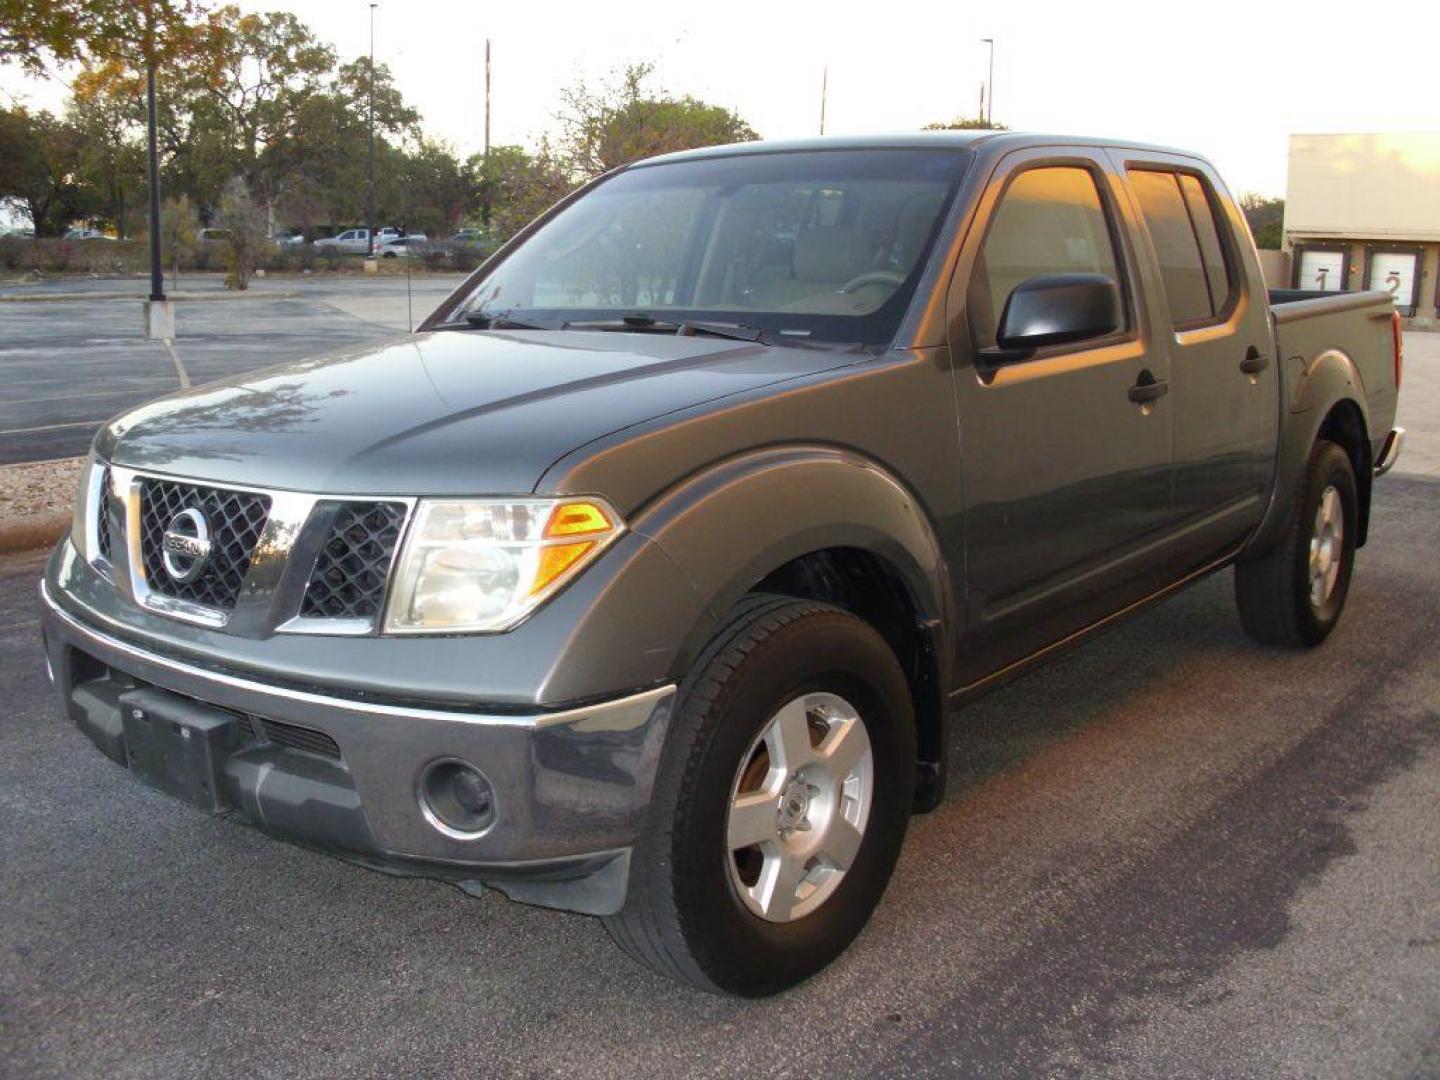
point(645, 323)
point(483, 320)
point(480, 320)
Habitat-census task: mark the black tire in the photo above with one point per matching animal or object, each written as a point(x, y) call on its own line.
point(683, 915)
point(1274, 592)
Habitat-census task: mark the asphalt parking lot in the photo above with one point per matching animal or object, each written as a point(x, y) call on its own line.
point(1173, 853)
point(68, 365)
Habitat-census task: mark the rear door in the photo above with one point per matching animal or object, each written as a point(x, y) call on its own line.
point(1066, 479)
point(1213, 321)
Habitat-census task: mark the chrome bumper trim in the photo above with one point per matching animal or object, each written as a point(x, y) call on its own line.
point(594, 716)
point(1390, 452)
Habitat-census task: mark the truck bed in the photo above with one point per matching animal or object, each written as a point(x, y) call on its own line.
point(1359, 325)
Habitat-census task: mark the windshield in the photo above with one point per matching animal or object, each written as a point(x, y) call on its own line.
point(805, 244)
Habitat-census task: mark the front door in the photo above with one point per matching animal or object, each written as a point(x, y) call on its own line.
point(1066, 474)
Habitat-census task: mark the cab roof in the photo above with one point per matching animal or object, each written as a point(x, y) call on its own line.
point(912, 140)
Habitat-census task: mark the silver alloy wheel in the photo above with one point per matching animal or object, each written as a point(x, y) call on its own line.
point(799, 806)
point(1327, 546)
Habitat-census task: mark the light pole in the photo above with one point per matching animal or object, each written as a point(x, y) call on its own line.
point(989, 117)
point(370, 198)
point(157, 276)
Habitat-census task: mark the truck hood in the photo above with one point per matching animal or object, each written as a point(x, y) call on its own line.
point(442, 413)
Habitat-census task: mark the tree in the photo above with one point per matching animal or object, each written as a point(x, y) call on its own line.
point(32, 31)
point(623, 122)
point(112, 162)
point(40, 165)
point(1266, 218)
point(965, 123)
point(245, 227)
point(519, 184)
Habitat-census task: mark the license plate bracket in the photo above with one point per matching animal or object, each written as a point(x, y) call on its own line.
point(178, 745)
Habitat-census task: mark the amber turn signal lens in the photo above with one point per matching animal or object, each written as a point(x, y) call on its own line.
point(577, 519)
point(555, 560)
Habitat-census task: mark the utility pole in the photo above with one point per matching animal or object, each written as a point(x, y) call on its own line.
point(990, 84)
point(370, 198)
point(824, 93)
point(485, 161)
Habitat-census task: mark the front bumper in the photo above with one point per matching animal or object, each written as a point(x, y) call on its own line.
point(572, 787)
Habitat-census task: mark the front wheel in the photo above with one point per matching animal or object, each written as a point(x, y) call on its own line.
point(781, 802)
point(1294, 595)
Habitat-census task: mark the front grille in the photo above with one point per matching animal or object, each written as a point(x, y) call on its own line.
point(235, 520)
point(102, 515)
point(349, 578)
point(255, 728)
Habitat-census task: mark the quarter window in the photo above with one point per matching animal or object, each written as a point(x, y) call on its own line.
point(1050, 221)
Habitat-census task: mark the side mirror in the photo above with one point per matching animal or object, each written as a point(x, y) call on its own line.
point(1054, 309)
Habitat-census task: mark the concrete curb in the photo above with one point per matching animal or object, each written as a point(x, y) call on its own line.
point(31, 531)
point(57, 298)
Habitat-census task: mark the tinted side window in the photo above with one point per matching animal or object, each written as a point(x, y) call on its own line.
point(1208, 232)
point(1176, 249)
point(1049, 221)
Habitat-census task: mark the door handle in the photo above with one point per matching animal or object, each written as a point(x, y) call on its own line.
point(1255, 361)
point(1148, 388)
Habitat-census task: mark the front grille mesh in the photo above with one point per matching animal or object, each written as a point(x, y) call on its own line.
point(102, 515)
point(255, 728)
point(350, 575)
point(235, 518)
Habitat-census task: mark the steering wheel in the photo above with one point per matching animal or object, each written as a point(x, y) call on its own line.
point(873, 277)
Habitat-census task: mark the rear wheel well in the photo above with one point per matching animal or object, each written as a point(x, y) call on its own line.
point(871, 588)
point(1345, 427)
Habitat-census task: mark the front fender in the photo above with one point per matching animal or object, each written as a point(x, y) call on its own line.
point(731, 525)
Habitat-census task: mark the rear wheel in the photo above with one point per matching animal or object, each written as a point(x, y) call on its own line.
point(781, 803)
point(1294, 595)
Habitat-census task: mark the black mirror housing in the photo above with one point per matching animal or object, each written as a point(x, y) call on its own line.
point(1054, 309)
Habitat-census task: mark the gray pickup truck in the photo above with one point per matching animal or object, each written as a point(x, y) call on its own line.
point(646, 578)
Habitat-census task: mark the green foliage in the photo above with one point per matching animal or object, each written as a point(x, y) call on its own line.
point(246, 237)
point(254, 104)
point(624, 121)
point(34, 31)
point(965, 123)
point(42, 166)
point(1266, 217)
point(517, 185)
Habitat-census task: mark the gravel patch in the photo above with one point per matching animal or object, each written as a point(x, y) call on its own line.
point(38, 488)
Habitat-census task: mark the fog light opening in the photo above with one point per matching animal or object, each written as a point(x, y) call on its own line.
point(456, 798)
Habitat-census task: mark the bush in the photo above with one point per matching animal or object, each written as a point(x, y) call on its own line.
point(51, 256)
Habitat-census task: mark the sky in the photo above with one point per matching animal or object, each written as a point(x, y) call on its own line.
point(1228, 79)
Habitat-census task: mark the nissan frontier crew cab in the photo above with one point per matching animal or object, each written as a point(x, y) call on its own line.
point(646, 578)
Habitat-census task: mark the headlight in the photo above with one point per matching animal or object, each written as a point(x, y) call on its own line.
point(483, 565)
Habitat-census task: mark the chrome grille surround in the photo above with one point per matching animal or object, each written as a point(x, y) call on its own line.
point(274, 580)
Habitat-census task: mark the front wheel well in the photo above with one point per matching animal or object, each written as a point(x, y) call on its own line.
point(873, 589)
point(1345, 426)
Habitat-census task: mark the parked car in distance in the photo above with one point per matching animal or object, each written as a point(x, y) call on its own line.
point(470, 236)
point(288, 238)
point(86, 234)
point(214, 236)
point(349, 242)
point(415, 243)
point(649, 578)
